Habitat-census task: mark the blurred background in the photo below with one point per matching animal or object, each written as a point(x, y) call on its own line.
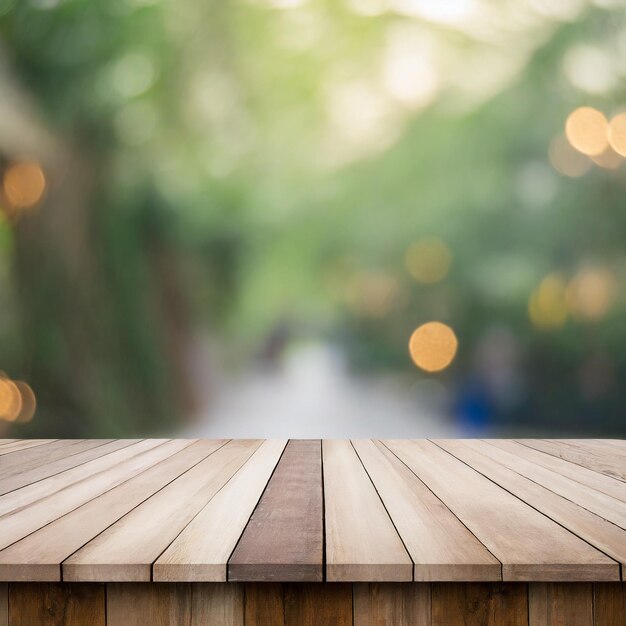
point(308, 218)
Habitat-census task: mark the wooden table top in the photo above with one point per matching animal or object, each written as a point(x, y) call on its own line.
point(311, 510)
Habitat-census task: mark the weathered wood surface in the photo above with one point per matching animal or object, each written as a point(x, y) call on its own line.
point(284, 537)
point(361, 541)
point(201, 551)
point(363, 511)
point(313, 604)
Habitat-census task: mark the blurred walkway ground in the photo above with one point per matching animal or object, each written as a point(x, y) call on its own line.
point(312, 395)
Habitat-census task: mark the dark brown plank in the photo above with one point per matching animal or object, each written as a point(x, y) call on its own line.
point(4, 604)
point(479, 604)
point(283, 540)
point(264, 604)
point(609, 604)
point(56, 604)
point(560, 604)
point(76, 455)
point(392, 604)
point(217, 604)
point(318, 604)
point(148, 604)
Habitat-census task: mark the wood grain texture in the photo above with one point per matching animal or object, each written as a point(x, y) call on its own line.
point(127, 549)
point(603, 461)
point(56, 604)
point(33, 457)
point(22, 444)
point(20, 523)
point(609, 604)
point(284, 538)
point(594, 529)
point(317, 604)
point(141, 604)
point(609, 508)
point(217, 604)
point(600, 482)
point(39, 555)
point(440, 546)
point(25, 476)
point(560, 604)
point(201, 551)
point(4, 604)
point(479, 604)
point(48, 487)
point(392, 604)
point(264, 604)
point(361, 541)
point(528, 544)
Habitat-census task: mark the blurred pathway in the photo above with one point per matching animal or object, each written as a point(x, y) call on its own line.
point(313, 395)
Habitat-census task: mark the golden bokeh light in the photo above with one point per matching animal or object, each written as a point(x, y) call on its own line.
point(372, 294)
point(591, 292)
point(24, 184)
point(433, 346)
point(10, 400)
point(428, 260)
point(29, 403)
point(17, 400)
point(547, 306)
point(617, 134)
point(586, 129)
point(566, 160)
point(608, 160)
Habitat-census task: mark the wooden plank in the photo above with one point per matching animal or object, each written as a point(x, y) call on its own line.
point(395, 604)
point(264, 604)
point(201, 551)
point(479, 604)
point(604, 462)
point(560, 604)
point(56, 604)
point(24, 476)
point(594, 529)
point(361, 542)
point(4, 604)
point(529, 545)
point(609, 604)
point(28, 494)
point(140, 604)
point(127, 549)
point(440, 546)
point(39, 555)
point(284, 537)
point(33, 457)
point(318, 604)
point(22, 522)
point(23, 444)
point(217, 604)
point(607, 507)
point(600, 482)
